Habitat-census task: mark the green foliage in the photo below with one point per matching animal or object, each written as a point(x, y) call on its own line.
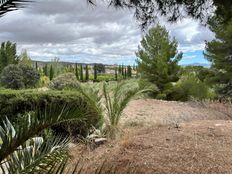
point(45, 70)
point(129, 71)
point(24, 59)
point(115, 101)
point(64, 81)
point(81, 73)
point(12, 77)
point(7, 54)
point(21, 151)
point(158, 58)
point(30, 76)
point(51, 73)
point(77, 71)
point(86, 73)
point(218, 52)
point(19, 76)
point(95, 72)
point(100, 68)
point(116, 74)
point(190, 87)
point(13, 103)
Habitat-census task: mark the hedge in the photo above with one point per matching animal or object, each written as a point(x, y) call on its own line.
point(15, 102)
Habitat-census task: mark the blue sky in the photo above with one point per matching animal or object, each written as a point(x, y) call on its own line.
point(75, 32)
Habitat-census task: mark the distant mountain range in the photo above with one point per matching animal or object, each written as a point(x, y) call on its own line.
point(42, 63)
point(197, 64)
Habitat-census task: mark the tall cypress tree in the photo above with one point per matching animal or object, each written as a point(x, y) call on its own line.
point(81, 75)
point(129, 71)
point(95, 72)
point(76, 71)
point(122, 70)
point(125, 73)
point(51, 74)
point(36, 66)
point(45, 70)
point(116, 73)
point(86, 73)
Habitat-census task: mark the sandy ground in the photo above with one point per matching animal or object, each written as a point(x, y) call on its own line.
point(199, 141)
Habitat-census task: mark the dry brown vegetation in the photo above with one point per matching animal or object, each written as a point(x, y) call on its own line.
point(166, 137)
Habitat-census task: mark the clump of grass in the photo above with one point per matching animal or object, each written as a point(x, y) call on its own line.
point(116, 100)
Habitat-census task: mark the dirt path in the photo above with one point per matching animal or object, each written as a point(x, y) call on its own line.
point(156, 112)
point(201, 143)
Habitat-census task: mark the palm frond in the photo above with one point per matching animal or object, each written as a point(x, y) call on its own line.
point(33, 123)
point(11, 5)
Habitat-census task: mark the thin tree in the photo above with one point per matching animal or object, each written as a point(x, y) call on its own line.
point(95, 72)
point(76, 72)
point(51, 74)
point(116, 73)
point(45, 70)
point(86, 73)
point(81, 73)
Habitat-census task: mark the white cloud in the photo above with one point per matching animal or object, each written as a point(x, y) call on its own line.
point(74, 31)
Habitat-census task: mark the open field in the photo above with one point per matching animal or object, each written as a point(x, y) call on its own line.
point(166, 137)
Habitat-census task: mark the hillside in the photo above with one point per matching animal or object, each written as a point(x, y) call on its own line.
point(166, 137)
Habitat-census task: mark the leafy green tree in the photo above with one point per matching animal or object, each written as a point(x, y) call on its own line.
point(122, 69)
point(51, 73)
point(19, 76)
point(24, 59)
point(158, 58)
point(81, 73)
point(7, 54)
point(86, 73)
point(219, 53)
point(30, 76)
point(12, 77)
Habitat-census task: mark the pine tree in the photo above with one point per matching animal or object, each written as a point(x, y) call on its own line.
point(86, 73)
point(119, 69)
point(158, 58)
point(7, 54)
point(81, 75)
point(219, 53)
point(95, 72)
point(76, 71)
point(51, 74)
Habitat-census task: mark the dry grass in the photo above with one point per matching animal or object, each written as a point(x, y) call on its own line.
point(190, 138)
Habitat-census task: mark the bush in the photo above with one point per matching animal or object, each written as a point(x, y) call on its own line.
point(13, 103)
point(12, 77)
point(19, 76)
point(190, 87)
point(30, 76)
point(64, 81)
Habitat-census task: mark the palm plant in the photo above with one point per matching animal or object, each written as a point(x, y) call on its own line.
point(116, 100)
point(22, 151)
point(11, 5)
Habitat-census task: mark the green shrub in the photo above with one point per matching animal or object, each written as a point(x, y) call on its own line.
point(12, 77)
point(190, 87)
point(19, 76)
point(64, 81)
point(13, 103)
